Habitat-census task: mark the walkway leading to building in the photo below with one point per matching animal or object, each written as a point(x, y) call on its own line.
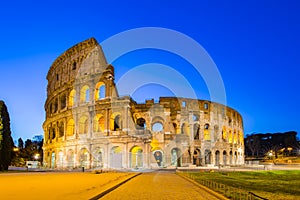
point(159, 185)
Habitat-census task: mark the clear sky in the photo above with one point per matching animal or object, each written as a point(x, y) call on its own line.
point(255, 45)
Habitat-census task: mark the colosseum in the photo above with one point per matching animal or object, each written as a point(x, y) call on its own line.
point(89, 125)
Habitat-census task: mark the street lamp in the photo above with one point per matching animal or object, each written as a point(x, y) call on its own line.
point(36, 156)
point(289, 149)
point(15, 149)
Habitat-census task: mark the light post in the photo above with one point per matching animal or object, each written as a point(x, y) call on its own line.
point(289, 149)
point(36, 156)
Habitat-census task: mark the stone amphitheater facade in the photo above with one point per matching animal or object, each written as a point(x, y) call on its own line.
point(89, 125)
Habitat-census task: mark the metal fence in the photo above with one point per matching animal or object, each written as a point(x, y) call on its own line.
point(227, 191)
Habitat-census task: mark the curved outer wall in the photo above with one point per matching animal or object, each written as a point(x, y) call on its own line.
point(88, 125)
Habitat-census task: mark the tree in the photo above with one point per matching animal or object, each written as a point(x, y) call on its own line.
point(252, 144)
point(6, 141)
point(20, 143)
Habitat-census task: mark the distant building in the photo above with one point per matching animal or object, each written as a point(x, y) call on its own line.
point(89, 125)
point(259, 144)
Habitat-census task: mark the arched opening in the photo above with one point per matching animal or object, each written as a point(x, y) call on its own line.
point(98, 157)
point(185, 129)
point(70, 127)
point(55, 106)
point(53, 132)
point(234, 137)
point(100, 91)
point(196, 131)
point(72, 98)
point(84, 157)
point(136, 157)
point(176, 157)
point(63, 101)
point(116, 157)
point(207, 155)
point(53, 158)
point(176, 130)
point(98, 123)
point(141, 124)
point(60, 163)
point(85, 94)
point(158, 155)
point(61, 129)
point(206, 132)
point(197, 157)
point(230, 136)
point(235, 158)
point(217, 158)
point(224, 158)
point(83, 125)
point(70, 159)
point(224, 134)
point(230, 157)
point(157, 127)
point(117, 123)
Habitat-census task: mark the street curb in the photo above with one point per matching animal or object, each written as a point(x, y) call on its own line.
point(219, 196)
point(113, 188)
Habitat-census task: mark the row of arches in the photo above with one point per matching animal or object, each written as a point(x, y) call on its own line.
point(98, 125)
point(224, 158)
point(137, 158)
point(85, 94)
point(232, 137)
point(99, 158)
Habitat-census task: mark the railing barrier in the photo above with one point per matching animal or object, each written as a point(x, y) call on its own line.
point(228, 191)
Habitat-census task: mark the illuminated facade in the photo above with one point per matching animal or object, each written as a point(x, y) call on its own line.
point(88, 124)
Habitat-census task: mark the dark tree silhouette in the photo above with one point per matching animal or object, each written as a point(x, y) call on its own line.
point(20, 143)
point(252, 145)
point(6, 141)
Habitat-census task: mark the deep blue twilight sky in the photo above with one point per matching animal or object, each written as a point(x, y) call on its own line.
point(255, 45)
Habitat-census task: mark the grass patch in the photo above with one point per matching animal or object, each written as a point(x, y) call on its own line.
point(268, 184)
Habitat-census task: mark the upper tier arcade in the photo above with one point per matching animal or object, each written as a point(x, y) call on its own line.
point(82, 59)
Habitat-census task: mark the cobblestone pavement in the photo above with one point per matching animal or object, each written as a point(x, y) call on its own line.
point(159, 185)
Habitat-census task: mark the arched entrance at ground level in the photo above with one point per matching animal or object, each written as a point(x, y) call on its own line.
point(207, 155)
point(60, 162)
point(235, 158)
point(84, 157)
point(116, 157)
point(70, 159)
point(176, 157)
point(98, 157)
point(136, 157)
point(230, 157)
point(158, 155)
point(53, 157)
point(224, 158)
point(197, 157)
point(217, 158)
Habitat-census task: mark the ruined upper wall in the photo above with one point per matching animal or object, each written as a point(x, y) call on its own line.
point(83, 58)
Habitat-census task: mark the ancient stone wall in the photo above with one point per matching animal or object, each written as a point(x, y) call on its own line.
point(88, 124)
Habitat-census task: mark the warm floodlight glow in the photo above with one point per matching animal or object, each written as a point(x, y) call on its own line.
point(15, 149)
point(36, 156)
